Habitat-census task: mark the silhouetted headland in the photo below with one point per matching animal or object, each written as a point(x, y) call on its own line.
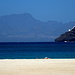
point(67, 36)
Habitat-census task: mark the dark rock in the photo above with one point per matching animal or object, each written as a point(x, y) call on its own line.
point(67, 36)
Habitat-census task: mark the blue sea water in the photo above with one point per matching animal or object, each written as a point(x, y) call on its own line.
point(33, 50)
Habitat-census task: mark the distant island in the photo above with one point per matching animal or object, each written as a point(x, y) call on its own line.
point(67, 36)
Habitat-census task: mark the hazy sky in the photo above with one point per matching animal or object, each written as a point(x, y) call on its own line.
point(44, 10)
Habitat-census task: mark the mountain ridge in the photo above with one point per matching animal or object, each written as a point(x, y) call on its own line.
point(25, 28)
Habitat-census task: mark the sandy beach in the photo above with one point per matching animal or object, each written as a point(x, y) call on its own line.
point(37, 67)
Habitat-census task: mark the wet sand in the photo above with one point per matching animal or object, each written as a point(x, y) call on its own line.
point(37, 67)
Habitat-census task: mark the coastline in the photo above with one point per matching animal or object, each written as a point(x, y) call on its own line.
point(37, 66)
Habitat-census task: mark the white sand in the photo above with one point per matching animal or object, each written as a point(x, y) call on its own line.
point(37, 67)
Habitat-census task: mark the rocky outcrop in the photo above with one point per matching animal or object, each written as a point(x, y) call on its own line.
point(67, 36)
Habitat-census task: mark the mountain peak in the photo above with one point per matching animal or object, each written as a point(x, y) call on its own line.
point(25, 15)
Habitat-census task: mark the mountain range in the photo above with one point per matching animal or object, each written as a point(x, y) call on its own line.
point(25, 28)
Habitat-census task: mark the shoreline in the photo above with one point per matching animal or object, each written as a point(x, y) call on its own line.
point(37, 66)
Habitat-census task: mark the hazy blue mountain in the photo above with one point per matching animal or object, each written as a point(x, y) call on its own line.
point(25, 28)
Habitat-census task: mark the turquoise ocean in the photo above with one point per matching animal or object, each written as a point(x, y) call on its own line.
point(33, 50)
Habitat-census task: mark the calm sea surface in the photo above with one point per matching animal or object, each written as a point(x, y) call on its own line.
point(33, 50)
